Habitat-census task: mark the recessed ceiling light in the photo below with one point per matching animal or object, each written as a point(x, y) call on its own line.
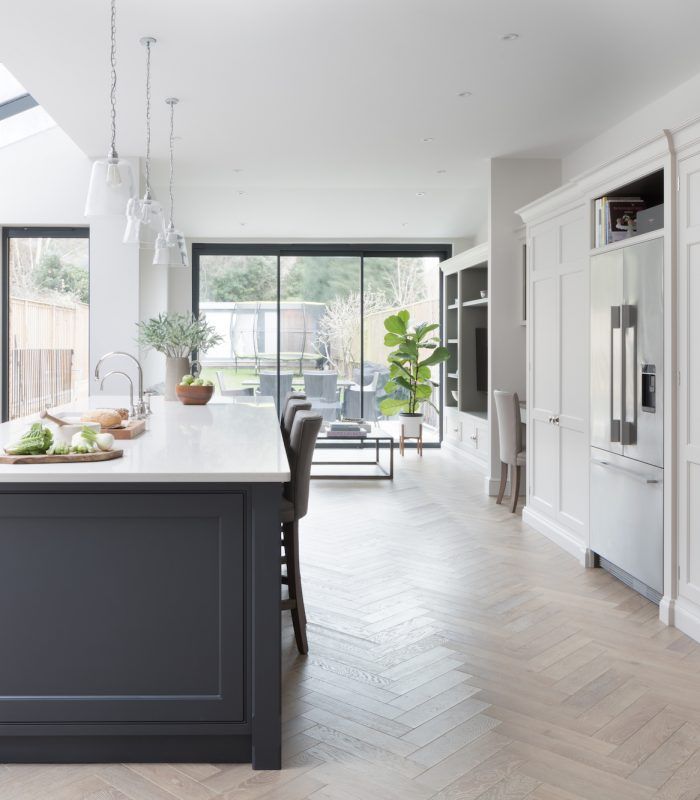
point(240, 194)
point(441, 171)
point(242, 224)
point(464, 94)
point(420, 194)
point(429, 139)
point(237, 169)
point(404, 224)
point(510, 37)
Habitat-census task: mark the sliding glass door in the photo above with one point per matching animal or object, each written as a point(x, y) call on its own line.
point(46, 315)
point(311, 317)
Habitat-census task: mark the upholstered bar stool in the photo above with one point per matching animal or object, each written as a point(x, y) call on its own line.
point(294, 505)
point(287, 400)
point(292, 407)
point(510, 442)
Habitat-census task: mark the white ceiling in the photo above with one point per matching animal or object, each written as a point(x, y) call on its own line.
point(324, 104)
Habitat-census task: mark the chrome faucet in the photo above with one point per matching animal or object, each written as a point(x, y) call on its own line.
point(140, 408)
point(132, 410)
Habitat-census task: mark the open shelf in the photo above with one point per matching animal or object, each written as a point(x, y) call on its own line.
point(481, 301)
point(453, 306)
point(453, 375)
point(632, 210)
point(453, 341)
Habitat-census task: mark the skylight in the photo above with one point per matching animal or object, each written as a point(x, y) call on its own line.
point(10, 87)
point(20, 116)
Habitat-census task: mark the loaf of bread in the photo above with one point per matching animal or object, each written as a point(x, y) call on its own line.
point(107, 417)
point(123, 413)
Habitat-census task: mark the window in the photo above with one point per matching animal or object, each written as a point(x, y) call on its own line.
point(46, 316)
point(312, 317)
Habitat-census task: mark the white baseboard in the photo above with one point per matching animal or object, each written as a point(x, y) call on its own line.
point(491, 487)
point(474, 460)
point(667, 610)
point(565, 539)
point(685, 617)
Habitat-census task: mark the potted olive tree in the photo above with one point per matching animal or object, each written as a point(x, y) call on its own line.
point(177, 335)
point(409, 384)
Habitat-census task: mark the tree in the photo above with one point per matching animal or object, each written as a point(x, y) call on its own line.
point(53, 275)
point(235, 279)
point(338, 339)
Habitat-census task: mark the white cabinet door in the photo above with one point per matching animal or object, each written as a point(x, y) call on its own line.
point(689, 390)
point(559, 372)
point(543, 394)
point(572, 419)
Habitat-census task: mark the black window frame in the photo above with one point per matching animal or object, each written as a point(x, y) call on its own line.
point(362, 251)
point(24, 232)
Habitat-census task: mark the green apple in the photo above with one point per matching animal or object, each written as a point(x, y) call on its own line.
point(187, 380)
point(198, 382)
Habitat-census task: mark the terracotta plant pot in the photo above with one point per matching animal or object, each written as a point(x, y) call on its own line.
point(194, 395)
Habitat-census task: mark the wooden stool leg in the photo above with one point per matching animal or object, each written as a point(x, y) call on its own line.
point(515, 487)
point(291, 536)
point(504, 479)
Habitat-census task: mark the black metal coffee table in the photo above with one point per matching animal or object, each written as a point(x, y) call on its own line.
point(376, 438)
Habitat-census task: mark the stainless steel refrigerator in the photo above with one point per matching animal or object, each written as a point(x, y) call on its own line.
point(627, 434)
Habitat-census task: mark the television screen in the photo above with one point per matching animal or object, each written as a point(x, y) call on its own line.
point(482, 360)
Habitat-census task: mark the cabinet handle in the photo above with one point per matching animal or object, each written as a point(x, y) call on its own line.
point(473, 436)
point(556, 420)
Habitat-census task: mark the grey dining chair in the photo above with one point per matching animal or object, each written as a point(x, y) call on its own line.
point(287, 400)
point(224, 391)
point(352, 401)
point(510, 443)
point(268, 384)
point(321, 388)
point(293, 507)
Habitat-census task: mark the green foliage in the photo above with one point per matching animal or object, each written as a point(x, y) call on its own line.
point(409, 373)
point(178, 335)
point(238, 278)
point(53, 274)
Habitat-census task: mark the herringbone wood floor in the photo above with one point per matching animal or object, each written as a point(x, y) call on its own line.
point(455, 654)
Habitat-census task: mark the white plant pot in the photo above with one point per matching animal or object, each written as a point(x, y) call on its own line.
point(411, 424)
point(175, 368)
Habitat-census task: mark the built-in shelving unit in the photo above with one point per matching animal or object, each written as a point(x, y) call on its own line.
point(634, 209)
point(465, 334)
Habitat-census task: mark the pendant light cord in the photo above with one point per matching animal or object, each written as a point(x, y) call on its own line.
point(113, 76)
point(148, 119)
point(172, 157)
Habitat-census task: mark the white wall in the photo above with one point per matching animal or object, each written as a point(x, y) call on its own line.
point(514, 182)
point(44, 179)
point(669, 111)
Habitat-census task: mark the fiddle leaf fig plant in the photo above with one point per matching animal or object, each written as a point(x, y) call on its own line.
point(409, 366)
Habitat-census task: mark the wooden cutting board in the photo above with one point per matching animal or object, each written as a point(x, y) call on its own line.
point(70, 458)
point(128, 430)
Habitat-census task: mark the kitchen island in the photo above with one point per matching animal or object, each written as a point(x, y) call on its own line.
point(140, 597)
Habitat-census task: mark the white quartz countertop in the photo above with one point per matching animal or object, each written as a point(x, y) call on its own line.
point(231, 440)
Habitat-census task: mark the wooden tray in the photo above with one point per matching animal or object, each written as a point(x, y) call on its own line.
point(127, 430)
point(71, 458)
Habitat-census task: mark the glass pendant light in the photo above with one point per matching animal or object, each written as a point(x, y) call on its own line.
point(144, 217)
point(171, 250)
point(112, 178)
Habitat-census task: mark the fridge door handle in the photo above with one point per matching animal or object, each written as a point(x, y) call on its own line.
point(628, 472)
point(629, 374)
point(616, 368)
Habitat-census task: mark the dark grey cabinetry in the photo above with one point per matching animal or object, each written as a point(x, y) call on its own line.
point(139, 622)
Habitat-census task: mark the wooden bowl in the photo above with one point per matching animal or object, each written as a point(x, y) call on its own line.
point(194, 395)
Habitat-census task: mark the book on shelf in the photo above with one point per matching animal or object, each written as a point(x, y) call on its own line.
point(616, 218)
